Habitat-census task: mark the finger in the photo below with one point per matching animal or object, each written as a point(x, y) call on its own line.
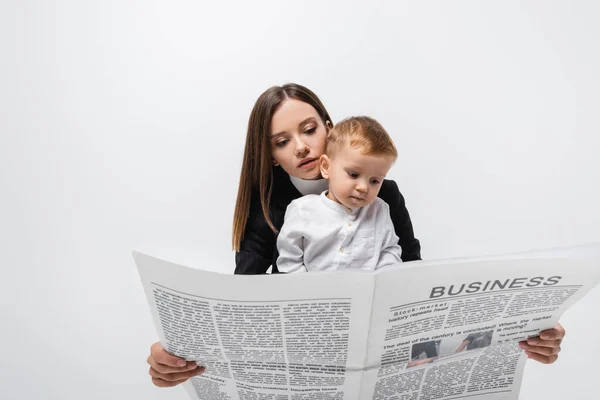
point(545, 351)
point(177, 376)
point(558, 332)
point(542, 359)
point(161, 356)
point(165, 369)
point(174, 377)
point(536, 341)
point(162, 383)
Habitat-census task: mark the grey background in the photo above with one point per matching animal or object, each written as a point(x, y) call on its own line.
point(122, 125)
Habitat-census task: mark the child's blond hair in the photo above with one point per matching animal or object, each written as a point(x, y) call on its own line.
point(363, 133)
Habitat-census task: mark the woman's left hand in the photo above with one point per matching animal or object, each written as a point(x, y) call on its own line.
point(544, 348)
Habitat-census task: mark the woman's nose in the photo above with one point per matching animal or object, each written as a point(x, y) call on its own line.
point(301, 148)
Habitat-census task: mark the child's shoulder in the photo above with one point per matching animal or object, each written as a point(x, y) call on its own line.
point(302, 206)
point(306, 201)
point(379, 206)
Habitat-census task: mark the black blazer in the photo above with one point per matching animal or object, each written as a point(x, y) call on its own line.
point(258, 249)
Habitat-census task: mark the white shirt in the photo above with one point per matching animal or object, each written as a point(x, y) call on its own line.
point(320, 234)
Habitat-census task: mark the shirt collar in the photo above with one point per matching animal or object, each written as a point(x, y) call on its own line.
point(306, 186)
point(337, 206)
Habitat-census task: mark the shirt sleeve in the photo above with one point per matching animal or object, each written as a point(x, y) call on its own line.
point(290, 241)
point(258, 243)
point(391, 252)
point(411, 247)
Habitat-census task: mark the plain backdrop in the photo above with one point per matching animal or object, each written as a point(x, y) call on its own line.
point(122, 124)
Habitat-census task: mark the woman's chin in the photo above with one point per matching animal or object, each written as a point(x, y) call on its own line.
point(309, 175)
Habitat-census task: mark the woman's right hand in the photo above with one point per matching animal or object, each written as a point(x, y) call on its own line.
point(168, 370)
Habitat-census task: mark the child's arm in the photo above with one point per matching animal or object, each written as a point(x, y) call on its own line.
point(391, 252)
point(290, 242)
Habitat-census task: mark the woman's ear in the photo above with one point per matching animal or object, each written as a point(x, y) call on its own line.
point(275, 163)
point(328, 125)
point(324, 164)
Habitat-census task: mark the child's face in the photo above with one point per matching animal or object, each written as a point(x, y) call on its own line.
point(354, 178)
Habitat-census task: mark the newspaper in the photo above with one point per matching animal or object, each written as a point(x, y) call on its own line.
point(421, 330)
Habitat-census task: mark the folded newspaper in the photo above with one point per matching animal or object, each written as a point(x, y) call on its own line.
point(445, 329)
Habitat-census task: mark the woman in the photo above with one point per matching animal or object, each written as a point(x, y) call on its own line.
point(286, 136)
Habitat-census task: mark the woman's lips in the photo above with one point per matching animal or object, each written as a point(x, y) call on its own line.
point(308, 164)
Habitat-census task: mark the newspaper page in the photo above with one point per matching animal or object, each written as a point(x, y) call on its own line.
point(263, 337)
point(437, 330)
point(452, 331)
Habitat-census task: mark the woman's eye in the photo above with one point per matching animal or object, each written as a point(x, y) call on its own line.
point(281, 143)
point(310, 130)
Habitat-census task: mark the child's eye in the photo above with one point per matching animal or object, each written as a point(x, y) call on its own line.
point(374, 181)
point(281, 143)
point(352, 174)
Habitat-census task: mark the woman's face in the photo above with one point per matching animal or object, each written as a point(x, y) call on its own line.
point(298, 137)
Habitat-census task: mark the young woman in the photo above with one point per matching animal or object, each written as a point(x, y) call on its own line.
point(286, 136)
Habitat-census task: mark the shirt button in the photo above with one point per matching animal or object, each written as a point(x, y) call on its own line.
point(342, 249)
point(349, 223)
point(349, 210)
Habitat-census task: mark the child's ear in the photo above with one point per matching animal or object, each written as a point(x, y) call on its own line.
point(324, 164)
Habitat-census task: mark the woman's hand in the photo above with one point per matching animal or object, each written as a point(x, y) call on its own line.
point(168, 370)
point(544, 348)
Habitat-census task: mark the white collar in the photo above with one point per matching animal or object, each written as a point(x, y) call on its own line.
point(305, 186)
point(335, 206)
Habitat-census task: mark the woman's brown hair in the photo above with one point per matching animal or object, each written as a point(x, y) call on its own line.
point(257, 169)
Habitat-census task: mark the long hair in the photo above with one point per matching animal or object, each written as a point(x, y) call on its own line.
point(257, 169)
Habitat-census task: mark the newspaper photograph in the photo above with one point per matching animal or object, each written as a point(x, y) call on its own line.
point(444, 329)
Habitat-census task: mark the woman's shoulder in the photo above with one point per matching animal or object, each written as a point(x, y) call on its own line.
point(283, 190)
point(390, 193)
